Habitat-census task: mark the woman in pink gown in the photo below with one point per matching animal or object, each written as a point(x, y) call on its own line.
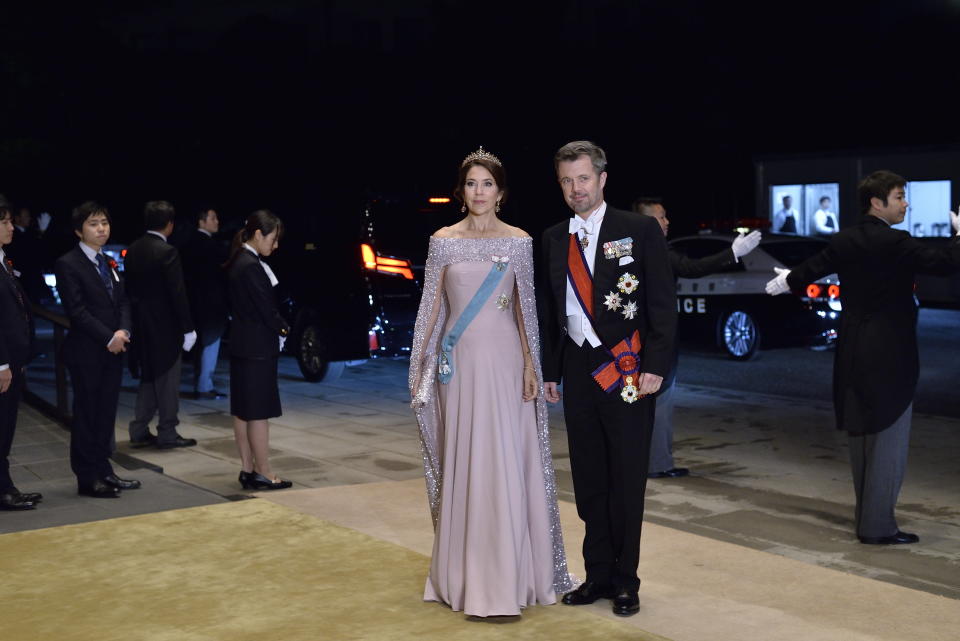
point(476, 386)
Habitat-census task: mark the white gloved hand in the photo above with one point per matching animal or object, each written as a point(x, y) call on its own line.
point(743, 245)
point(955, 221)
point(189, 340)
point(779, 285)
point(43, 221)
point(283, 339)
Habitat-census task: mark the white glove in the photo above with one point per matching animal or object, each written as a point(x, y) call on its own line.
point(779, 285)
point(43, 221)
point(283, 339)
point(189, 340)
point(743, 245)
point(955, 221)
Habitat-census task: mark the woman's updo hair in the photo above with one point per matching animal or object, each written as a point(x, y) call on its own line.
point(263, 220)
point(488, 161)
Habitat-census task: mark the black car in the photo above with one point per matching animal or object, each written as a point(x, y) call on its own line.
point(350, 288)
point(732, 309)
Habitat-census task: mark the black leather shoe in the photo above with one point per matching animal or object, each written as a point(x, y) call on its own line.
point(121, 484)
point(98, 490)
point(261, 482)
point(246, 480)
point(14, 500)
point(587, 593)
point(212, 395)
point(674, 473)
point(177, 442)
point(896, 539)
point(33, 497)
point(626, 603)
point(149, 440)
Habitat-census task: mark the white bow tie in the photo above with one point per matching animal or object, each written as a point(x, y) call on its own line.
point(588, 226)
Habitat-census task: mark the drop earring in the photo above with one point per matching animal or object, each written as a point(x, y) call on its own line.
point(463, 209)
point(498, 207)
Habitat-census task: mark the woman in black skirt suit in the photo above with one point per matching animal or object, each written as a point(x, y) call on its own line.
point(257, 332)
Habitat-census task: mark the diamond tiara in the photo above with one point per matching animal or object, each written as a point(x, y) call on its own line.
point(481, 154)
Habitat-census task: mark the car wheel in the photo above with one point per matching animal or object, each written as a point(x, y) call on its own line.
point(311, 356)
point(739, 335)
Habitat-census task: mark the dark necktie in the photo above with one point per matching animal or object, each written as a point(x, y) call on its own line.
point(16, 288)
point(105, 274)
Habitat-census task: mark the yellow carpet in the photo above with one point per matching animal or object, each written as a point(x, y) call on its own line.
point(245, 571)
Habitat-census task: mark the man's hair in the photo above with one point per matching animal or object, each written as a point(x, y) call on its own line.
point(85, 210)
point(642, 204)
point(879, 184)
point(202, 214)
point(823, 198)
point(573, 150)
point(157, 214)
point(784, 199)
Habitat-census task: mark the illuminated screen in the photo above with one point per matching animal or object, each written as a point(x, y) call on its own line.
point(929, 211)
point(805, 210)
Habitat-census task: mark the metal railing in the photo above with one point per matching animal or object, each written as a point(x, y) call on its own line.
point(37, 394)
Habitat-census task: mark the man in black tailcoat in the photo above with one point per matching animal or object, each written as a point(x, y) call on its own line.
point(609, 319)
point(96, 303)
point(203, 259)
point(661, 445)
point(877, 364)
point(16, 336)
point(162, 327)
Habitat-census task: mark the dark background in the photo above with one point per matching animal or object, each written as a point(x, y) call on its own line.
point(303, 107)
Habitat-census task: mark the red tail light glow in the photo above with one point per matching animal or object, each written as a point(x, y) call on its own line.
point(813, 290)
point(833, 291)
point(439, 200)
point(385, 264)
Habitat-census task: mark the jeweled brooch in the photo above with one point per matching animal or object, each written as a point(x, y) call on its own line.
point(502, 302)
point(612, 301)
point(627, 283)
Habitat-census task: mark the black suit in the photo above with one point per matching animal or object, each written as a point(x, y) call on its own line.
point(27, 251)
point(255, 328)
point(877, 364)
point(16, 333)
point(203, 259)
point(161, 316)
point(95, 314)
point(609, 438)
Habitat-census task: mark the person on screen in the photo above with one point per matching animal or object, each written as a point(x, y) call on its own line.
point(785, 220)
point(824, 220)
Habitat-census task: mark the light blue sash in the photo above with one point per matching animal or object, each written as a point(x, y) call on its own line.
point(445, 358)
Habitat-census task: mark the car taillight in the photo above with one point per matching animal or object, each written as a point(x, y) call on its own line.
point(373, 341)
point(833, 291)
point(813, 290)
point(385, 264)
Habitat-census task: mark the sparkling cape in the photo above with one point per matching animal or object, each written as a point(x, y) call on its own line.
point(423, 358)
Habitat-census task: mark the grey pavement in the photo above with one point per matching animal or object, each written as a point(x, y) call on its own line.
point(769, 472)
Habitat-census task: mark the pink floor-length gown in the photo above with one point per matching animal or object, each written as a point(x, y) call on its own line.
point(492, 553)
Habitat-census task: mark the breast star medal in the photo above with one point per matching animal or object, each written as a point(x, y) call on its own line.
point(629, 310)
point(612, 301)
point(627, 283)
point(629, 392)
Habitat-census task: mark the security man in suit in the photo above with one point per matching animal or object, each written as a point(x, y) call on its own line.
point(876, 365)
point(162, 324)
point(661, 445)
point(609, 314)
point(95, 301)
point(16, 336)
point(203, 260)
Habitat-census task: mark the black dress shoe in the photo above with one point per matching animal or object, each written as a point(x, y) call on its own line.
point(895, 539)
point(33, 497)
point(261, 482)
point(587, 593)
point(246, 480)
point(14, 500)
point(121, 484)
point(674, 473)
point(177, 442)
point(98, 490)
point(626, 603)
point(149, 440)
point(212, 395)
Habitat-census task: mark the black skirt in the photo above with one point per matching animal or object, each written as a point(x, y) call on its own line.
point(254, 394)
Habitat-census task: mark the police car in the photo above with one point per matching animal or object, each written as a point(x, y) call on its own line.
point(732, 309)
